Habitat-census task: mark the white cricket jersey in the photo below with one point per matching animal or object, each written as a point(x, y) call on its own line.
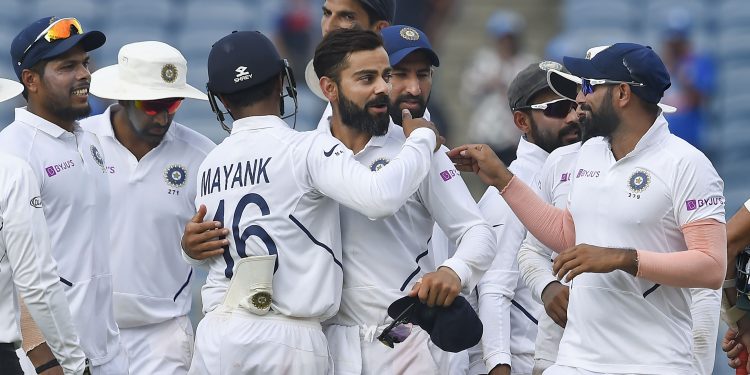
point(552, 184)
point(640, 201)
point(507, 310)
point(277, 190)
point(151, 200)
point(384, 258)
point(70, 170)
point(27, 265)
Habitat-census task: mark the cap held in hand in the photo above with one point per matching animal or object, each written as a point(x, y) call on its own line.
point(453, 328)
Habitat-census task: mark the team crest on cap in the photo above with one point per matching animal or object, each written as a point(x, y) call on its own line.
point(547, 65)
point(261, 300)
point(97, 156)
point(175, 176)
point(409, 33)
point(639, 181)
point(377, 164)
point(169, 73)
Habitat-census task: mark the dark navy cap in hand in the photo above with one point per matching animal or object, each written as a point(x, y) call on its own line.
point(241, 60)
point(452, 329)
point(50, 37)
point(400, 41)
point(385, 9)
point(626, 62)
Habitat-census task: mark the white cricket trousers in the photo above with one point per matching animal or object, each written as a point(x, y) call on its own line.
point(161, 348)
point(238, 342)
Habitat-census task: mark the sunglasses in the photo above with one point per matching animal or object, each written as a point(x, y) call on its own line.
point(63, 28)
point(154, 107)
point(587, 85)
point(397, 331)
point(558, 108)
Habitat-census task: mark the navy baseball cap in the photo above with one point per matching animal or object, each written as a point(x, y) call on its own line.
point(626, 62)
point(453, 328)
point(385, 9)
point(400, 41)
point(241, 60)
point(30, 45)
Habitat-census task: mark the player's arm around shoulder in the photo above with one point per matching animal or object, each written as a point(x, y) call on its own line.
point(335, 172)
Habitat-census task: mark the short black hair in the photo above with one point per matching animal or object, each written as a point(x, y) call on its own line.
point(333, 51)
point(38, 68)
point(252, 95)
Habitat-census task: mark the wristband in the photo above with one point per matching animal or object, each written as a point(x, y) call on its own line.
point(52, 363)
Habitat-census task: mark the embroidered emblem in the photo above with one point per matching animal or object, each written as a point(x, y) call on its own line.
point(97, 156)
point(261, 300)
point(169, 73)
point(409, 33)
point(175, 176)
point(639, 181)
point(377, 164)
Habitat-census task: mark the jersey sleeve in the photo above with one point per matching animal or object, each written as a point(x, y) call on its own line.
point(34, 270)
point(698, 191)
point(335, 173)
point(448, 200)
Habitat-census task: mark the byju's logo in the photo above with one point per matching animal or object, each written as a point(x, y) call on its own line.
point(57, 168)
point(691, 205)
point(694, 204)
point(50, 171)
point(242, 74)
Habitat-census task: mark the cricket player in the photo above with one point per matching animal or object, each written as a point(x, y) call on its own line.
point(277, 190)
point(51, 61)
point(385, 259)
point(505, 305)
point(27, 267)
point(646, 226)
point(553, 184)
point(152, 164)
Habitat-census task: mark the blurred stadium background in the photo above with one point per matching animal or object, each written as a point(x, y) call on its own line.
point(711, 84)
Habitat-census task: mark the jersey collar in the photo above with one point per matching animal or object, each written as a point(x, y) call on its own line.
point(23, 115)
point(655, 134)
point(531, 153)
point(375, 141)
point(258, 122)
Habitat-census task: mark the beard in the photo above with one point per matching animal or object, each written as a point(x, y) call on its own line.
point(360, 119)
point(602, 123)
point(548, 141)
point(395, 108)
point(66, 112)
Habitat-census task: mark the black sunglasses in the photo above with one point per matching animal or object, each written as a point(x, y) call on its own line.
point(397, 331)
point(558, 108)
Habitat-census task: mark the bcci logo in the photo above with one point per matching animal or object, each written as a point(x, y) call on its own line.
point(639, 181)
point(377, 164)
point(261, 300)
point(97, 156)
point(175, 176)
point(242, 74)
point(409, 33)
point(169, 73)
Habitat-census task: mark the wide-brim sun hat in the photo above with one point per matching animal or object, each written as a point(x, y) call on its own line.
point(9, 89)
point(147, 70)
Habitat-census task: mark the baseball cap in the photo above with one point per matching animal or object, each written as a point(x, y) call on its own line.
point(385, 9)
point(626, 62)
point(566, 85)
point(9, 89)
point(453, 328)
point(39, 41)
point(504, 22)
point(400, 41)
point(241, 60)
point(145, 71)
point(528, 82)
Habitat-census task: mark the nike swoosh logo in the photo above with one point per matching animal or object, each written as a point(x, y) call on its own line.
point(330, 152)
point(496, 225)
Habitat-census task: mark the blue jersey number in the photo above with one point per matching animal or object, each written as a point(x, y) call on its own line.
point(240, 237)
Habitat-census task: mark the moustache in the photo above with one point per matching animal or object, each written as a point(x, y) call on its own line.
point(378, 101)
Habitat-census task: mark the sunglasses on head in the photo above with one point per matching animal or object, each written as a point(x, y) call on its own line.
point(587, 85)
point(397, 331)
point(63, 28)
point(558, 108)
point(154, 107)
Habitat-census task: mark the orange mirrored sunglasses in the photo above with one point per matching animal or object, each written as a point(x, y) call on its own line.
point(57, 30)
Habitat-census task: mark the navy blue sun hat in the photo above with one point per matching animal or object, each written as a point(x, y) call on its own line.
point(28, 48)
point(627, 62)
point(400, 40)
point(453, 328)
point(241, 60)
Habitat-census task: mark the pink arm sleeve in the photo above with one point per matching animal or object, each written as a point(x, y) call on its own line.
point(551, 225)
point(702, 265)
